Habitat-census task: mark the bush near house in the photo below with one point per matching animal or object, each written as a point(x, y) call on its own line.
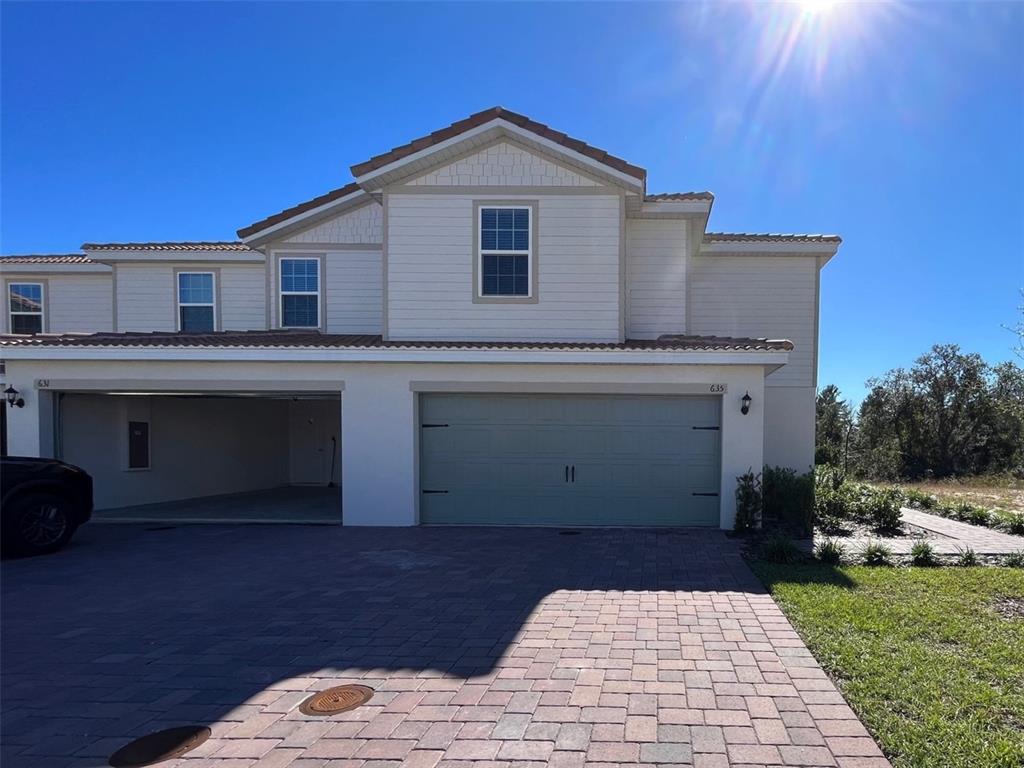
point(839, 502)
point(789, 499)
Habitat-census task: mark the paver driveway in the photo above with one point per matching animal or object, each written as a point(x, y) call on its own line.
point(484, 646)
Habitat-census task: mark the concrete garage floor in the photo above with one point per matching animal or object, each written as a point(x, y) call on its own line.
point(485, 647)
point(288, 504)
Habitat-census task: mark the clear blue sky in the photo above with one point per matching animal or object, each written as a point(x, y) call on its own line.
point(898, 126)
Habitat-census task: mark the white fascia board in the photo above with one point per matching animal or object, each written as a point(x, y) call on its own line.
point(54, 268)
point(263, 234)
point(277, 354)
point(529, 136)
point(162, 255)
point(741, 248)
point(693, 207)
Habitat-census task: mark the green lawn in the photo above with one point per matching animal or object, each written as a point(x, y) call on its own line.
point(934, 672)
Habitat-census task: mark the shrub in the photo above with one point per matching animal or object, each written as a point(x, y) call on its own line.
point(922, 554)
point(830, 551)
point(876, 553)
point(779, 549)
point(789, 498)
point(833, 499)
point(1014, 559)
point(920, 499)
point(749, 502)
point(1011, 522)
point(882, 508)
point(967, 558)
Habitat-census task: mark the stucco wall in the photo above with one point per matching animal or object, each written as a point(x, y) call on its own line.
point(379, 414)
point(199, 446)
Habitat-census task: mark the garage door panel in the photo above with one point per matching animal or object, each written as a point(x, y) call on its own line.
point(502, 459)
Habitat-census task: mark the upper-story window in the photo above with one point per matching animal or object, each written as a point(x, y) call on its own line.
point(25, 306)
point(196, 302)
point(505, 251)
point(300, 293)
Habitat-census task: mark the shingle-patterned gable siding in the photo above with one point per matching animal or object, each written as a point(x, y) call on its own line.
point(504, 164)
point(362, 225)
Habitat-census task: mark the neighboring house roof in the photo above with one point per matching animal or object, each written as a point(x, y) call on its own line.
point(746, 237)
point(678, 196)
point(521, 121)
point(214, 245)
point(47, 258)
point(299, 339)
point(299, 209)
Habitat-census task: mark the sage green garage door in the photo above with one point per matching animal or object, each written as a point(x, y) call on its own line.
point(569, 460)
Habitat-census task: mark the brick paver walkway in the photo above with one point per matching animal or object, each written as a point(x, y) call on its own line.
point(500, 647)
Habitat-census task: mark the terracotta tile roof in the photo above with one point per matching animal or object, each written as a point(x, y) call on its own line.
point(47, 258)
point(453, 130)
point(746, 237)
point(199, 245)
point(295, 210)
point(679, 196)
point(301, 339)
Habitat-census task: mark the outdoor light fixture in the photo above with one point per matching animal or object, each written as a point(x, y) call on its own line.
point(745, 407)
point(12, 398)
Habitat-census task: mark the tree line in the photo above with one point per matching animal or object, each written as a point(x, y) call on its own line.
point(951, 414)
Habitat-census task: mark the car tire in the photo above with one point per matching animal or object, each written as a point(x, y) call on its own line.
point(37, 523)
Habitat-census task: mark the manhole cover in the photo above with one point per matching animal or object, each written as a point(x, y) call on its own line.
point(335, 700)
point(162, 745)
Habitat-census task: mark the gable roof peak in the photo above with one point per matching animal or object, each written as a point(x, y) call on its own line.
point(485, 116)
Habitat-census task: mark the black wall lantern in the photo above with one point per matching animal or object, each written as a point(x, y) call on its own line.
point(12, 398)
point(745, 404)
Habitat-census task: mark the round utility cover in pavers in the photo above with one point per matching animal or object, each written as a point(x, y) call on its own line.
point(157, 747)
point(335, 700)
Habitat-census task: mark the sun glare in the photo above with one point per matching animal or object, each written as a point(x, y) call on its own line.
point(816, 7)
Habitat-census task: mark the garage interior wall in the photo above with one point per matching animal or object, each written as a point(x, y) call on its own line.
point(199, 446)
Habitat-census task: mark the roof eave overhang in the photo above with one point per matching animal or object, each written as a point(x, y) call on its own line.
point(674, 208)
point(772, 359)
point(825, 249)
point(379, 178)
point(55, 268)
point(156, 255)
point(306, 218)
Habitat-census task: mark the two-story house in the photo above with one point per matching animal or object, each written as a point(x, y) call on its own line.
point(492, 324)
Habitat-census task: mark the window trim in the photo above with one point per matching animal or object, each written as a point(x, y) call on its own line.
point(531, 255)
point(281, 293)
point(215, 305)
point(43, 303)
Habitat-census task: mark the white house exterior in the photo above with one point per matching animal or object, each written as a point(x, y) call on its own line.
point(493, 324)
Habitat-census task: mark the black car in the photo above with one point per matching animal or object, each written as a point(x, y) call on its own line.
point(42, 503)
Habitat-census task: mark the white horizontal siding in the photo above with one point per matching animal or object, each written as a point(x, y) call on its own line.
point(362, 225)
point(353, 284)
point(760, 296)
point(430, 272)
point(656, 277)
point(243, 298)
point(73, 303)
point(145, 297)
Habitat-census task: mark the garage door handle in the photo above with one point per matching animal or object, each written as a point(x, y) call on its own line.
point(713, 429)
point(426, 491)
point(704, 494)
point(567, 473)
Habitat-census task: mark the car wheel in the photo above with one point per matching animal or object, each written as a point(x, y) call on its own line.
point(37, 523)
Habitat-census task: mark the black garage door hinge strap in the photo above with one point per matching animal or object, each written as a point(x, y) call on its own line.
point(713, 429)
point(426, 491)
point(703, 494)
point(432, 426)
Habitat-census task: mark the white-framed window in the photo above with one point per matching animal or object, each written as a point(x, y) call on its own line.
point(196, 302)
point(505, 250)
point(25, 307)
point(300, 292)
